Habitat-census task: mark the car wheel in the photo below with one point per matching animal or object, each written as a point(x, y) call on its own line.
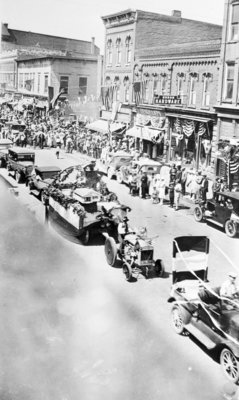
point(229, 365)
point(43, 197)
point(85, 237)
point(159, 269)
point(110, 251)
point(127, 270)
point(230, 228)
point(198, 214)
point(18, 177)
point(180, 318)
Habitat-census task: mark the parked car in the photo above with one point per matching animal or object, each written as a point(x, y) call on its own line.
point(124, 173)
point(222, 211)
point(5, 144)
point(198, 309)
point(20, 163)
point(118, 160)
point(41, 180)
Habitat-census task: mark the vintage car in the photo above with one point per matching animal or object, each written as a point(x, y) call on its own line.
point(136, 254)
point(222, 211)
point(118, 160)
point(42, 178)
point(5, 144)
point(125, 172)
point(20, 163)
point(198, 309)
point(77, 199)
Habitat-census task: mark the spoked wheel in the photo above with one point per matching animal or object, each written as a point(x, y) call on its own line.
point(18, 177)
point(198, 214)
point(85, 237)
point(230, 228)
point(127, 270)
point(159, 269)
point(180, 317)
point(110, 251)
point(229, 365)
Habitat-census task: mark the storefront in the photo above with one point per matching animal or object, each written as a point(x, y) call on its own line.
point(149, 132)
point(190, 140)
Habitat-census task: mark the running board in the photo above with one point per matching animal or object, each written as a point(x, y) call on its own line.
point(35, 192)
point(204, 339)
point(215, 222)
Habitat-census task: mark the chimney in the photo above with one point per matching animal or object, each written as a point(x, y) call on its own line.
point(176, 13)
point(92, 50)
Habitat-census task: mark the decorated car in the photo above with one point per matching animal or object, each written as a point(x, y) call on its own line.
point(222, 211)
point(41, 179)
point(135, 252)
point(79, 199)
point(118, 160)
point(199, 309)
point(124, 173)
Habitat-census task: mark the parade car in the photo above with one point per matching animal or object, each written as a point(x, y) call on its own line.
point(43, 177)
point(5, 144)
point(125, 172)
point(118, 160)
point(198, 309)
point(20, 163)
point(222, 211)
point(136, 254)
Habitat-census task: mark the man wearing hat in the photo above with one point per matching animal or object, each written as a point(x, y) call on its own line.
point(229, 288)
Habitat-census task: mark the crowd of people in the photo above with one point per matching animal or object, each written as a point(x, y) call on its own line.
point(46, 131)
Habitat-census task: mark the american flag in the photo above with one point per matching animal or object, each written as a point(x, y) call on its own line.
point(233, 167)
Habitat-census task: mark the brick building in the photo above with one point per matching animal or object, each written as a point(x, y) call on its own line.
point(149, 56)
point(32, 62)
point(227, 106)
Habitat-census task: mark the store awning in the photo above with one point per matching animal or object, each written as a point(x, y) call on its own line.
point(190, 117)
point(134, 132)
point(102, 126)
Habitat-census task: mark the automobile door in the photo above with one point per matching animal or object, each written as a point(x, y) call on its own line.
point(222, 212)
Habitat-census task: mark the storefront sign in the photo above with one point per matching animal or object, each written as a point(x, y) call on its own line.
point(166, 99)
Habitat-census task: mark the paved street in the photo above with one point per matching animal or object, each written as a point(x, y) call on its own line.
point(74, 328)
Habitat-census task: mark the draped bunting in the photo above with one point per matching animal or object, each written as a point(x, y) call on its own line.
point(177, 125)
point(156, 122)
point(188, 127)
point(201, 129)
point(207, 145)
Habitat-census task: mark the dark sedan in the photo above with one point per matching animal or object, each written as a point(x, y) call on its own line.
point(41, 180)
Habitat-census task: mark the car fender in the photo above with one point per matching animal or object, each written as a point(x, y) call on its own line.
point(231, 346)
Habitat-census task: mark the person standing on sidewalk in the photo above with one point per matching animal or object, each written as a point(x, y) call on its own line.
point(171, 193)
point(177, 193)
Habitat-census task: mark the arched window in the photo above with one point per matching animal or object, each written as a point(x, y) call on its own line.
point(206, 78)
point(180, 80)
point(117, 88)
point(163, 84)
point(128, 45)
point(118, 51)
point(107, 81)
point(192, 92)
point(126, 89)
point(109, 52)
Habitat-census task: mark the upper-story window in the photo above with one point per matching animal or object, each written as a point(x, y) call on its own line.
point(192, 90)
point(155, 82)
point(46, 77)
point(207, 78)
point(118, 51)
point(128, 49)
point(126, 89)
point(64, 83)
point(146, 88)
point(235, 22)
point(163, 84)
point(82, 86)
point(229, 81)
point(180, 80)
point(38, 82)
point(109, 52)
point(117, 88)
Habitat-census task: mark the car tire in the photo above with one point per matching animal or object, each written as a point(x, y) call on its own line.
point(85, 237)
point(198, 214)
point(180, 317)
point(230, 228)
point(159, 268)
point(110, 251)
point(43, 197)
point(127, 270)
point(230, 365)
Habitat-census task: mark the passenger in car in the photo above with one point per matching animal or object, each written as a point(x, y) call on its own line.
point(229, 288)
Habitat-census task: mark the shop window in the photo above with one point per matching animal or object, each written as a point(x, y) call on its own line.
point(228, 90)
point(109, 52)
point(235, 23)
point(45, 83)
point(82, 86)
point(128, 49)
point(118, 51)
point(64, 83)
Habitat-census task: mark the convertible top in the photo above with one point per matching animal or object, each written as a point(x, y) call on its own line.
point(230, 195)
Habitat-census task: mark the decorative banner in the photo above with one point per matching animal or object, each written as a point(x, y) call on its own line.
point(188, 127)
point(201, 129)
point(177, 125)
